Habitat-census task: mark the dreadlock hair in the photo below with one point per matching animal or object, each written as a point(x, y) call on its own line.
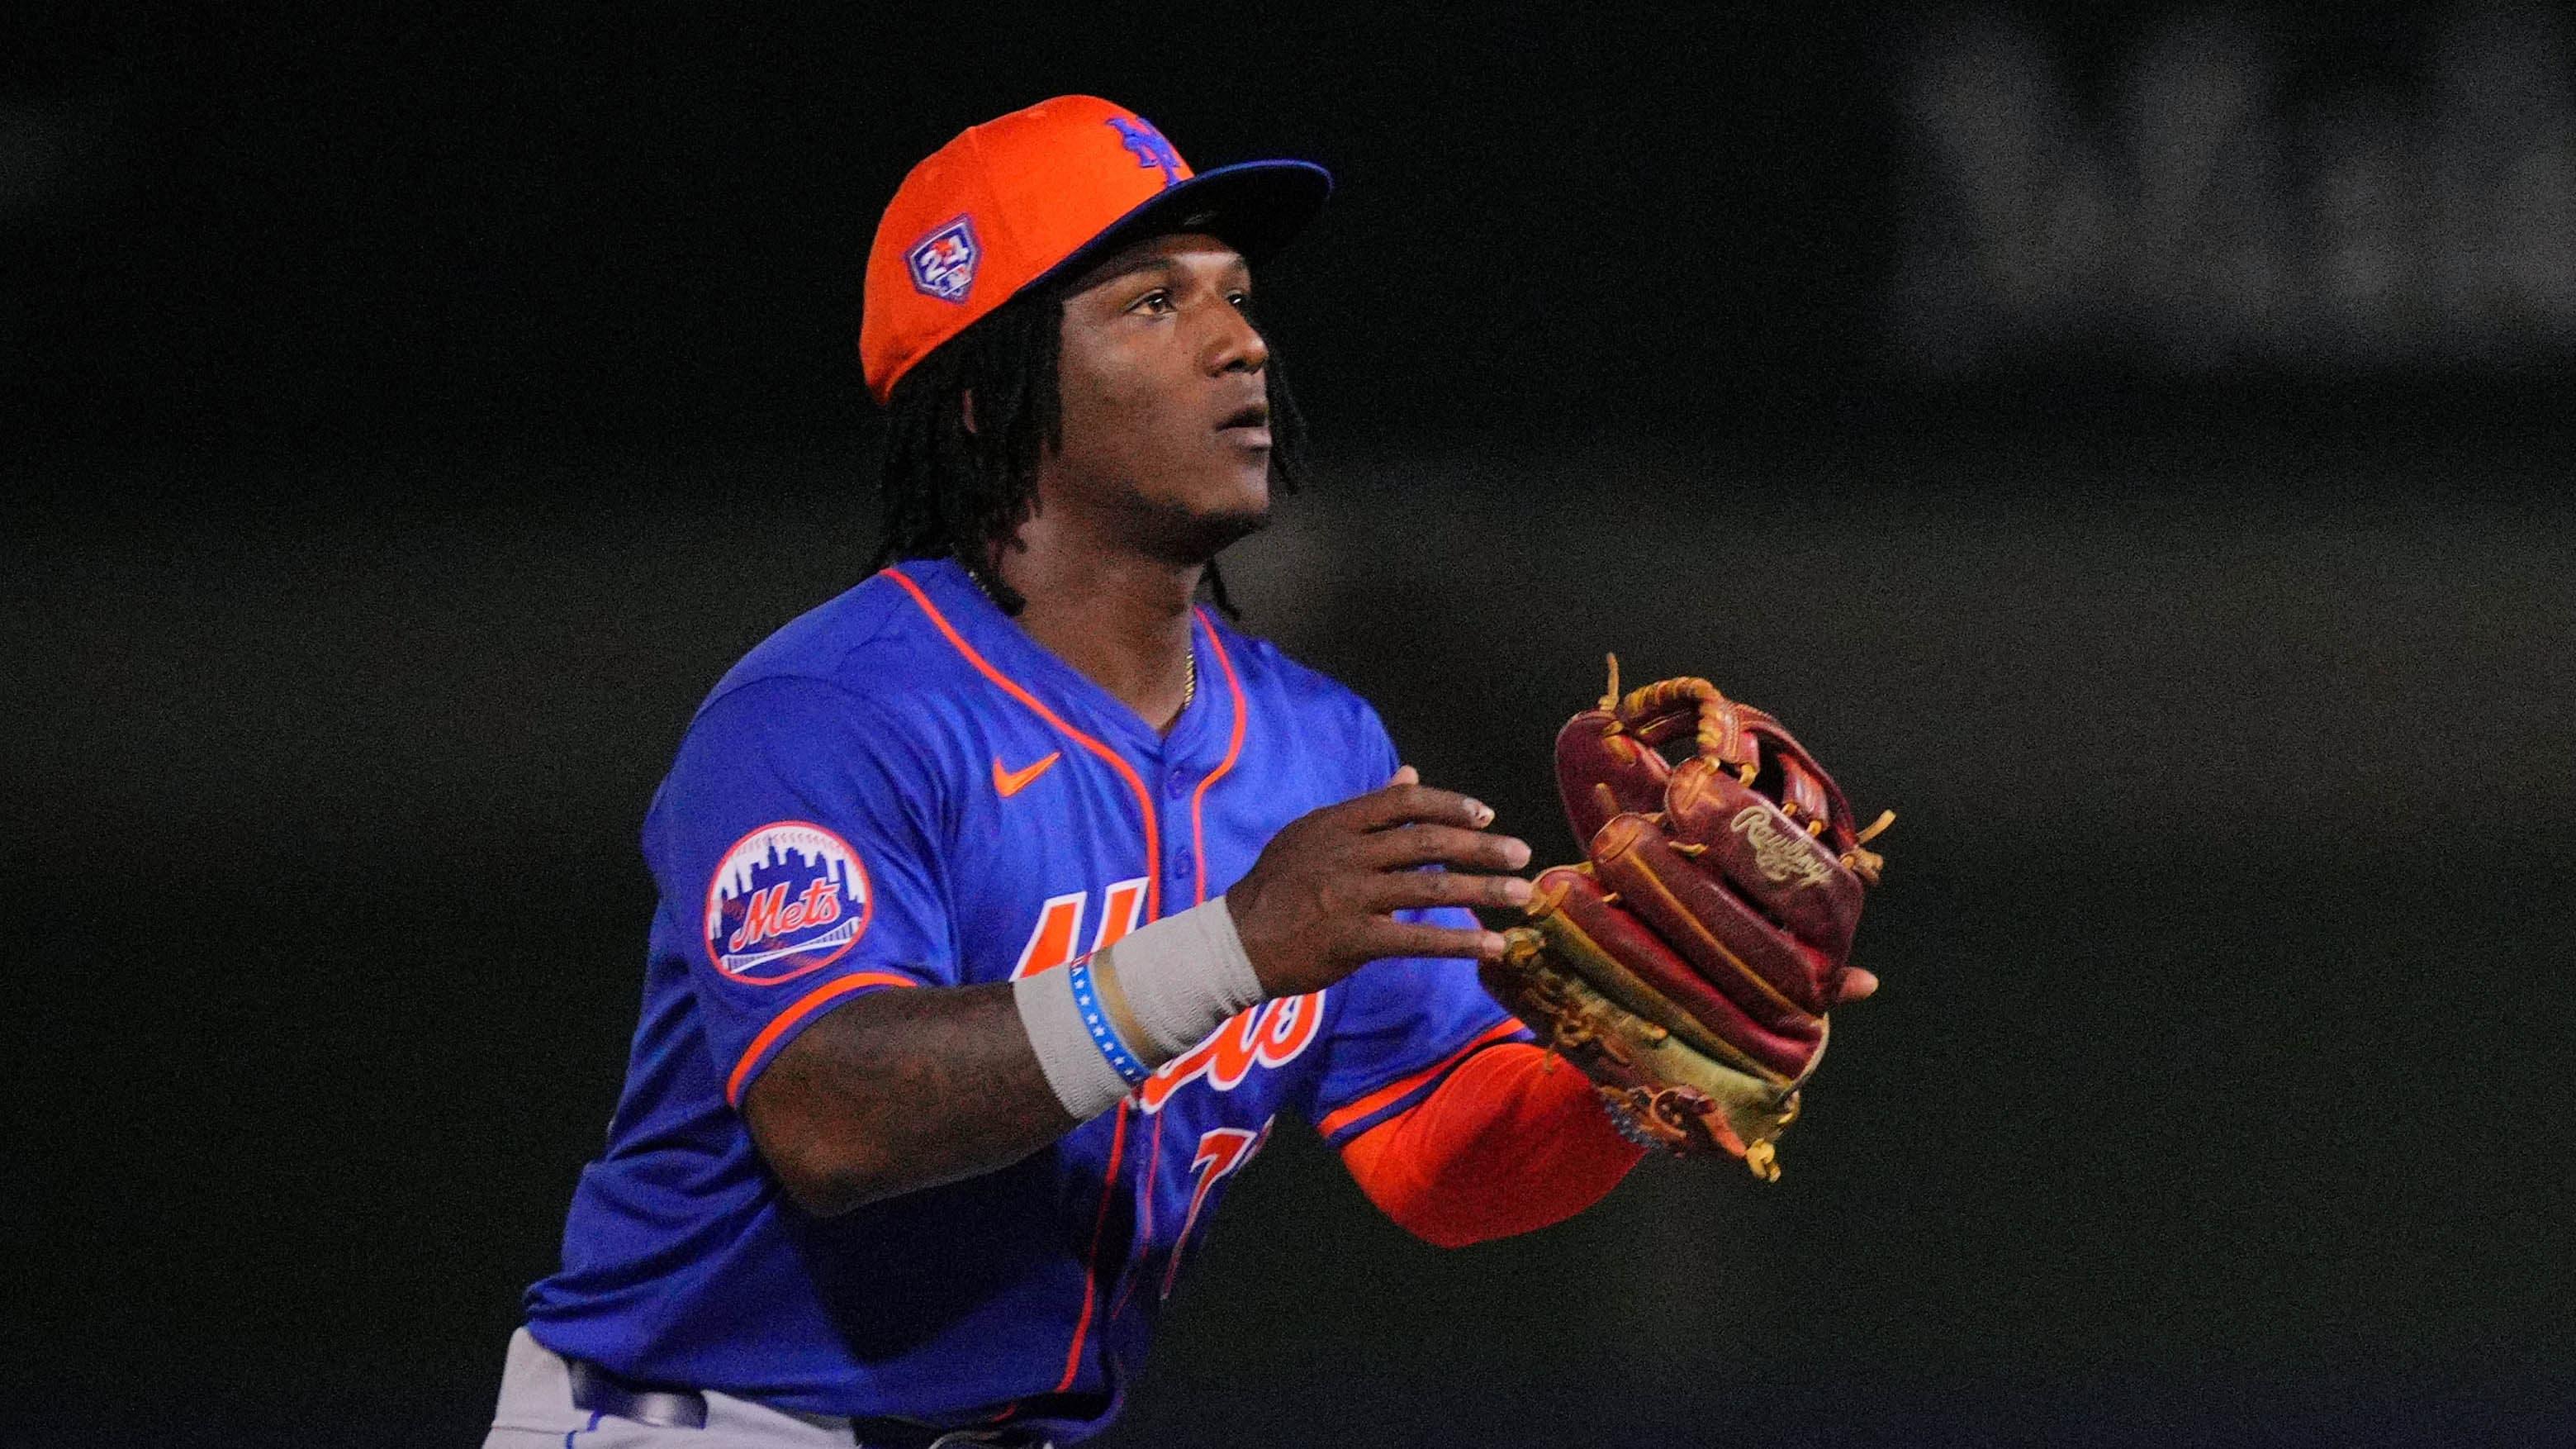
point(959, 493)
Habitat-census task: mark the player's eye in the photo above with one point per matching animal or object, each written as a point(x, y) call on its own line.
point(1242, 300)
point(1158, 300)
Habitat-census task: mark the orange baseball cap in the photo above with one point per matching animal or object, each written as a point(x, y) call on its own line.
point(1046, 192)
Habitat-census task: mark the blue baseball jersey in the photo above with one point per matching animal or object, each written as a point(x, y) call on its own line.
point(898, 790)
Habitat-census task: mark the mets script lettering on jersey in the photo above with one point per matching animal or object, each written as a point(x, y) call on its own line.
point(1272, 1034)
point(1051, 941)
point(943, 263)
point(902, 791)
point(789, 898)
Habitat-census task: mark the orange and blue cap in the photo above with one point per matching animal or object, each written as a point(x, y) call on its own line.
point(1042, 193)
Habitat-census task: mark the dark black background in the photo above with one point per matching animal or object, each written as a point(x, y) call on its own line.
point(408, 418)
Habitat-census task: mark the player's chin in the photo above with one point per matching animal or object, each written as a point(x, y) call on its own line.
point(1234, 493)
point(1195, 531)
point(1210, 532)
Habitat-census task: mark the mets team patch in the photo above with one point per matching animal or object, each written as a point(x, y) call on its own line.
point(789, 898)
point(943, 263)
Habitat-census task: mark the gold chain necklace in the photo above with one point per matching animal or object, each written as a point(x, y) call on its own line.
point(1190, 685)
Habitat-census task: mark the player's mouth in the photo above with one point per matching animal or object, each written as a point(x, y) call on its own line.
point(1248, 425)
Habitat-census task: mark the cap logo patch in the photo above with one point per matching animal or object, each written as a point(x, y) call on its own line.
point(1138, 135)
point(789, 898)
point(943, 263)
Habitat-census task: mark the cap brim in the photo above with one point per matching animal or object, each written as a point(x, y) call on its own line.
point(1255, 207)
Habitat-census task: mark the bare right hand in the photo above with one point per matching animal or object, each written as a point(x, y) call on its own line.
point(1319, 903)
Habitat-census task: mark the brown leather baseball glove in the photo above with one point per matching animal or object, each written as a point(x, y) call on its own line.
point(1687, 966)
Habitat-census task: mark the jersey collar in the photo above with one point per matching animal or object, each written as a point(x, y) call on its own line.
point(1196, 738)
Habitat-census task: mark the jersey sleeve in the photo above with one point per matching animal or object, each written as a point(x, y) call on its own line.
point(1403, 1023)
point(794, 844)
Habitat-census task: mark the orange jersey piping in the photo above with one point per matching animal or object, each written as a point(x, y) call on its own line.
point(1233, 747)
point(1091, 1265)
point(1145, 1215)
point(1153, 911)
point(804, 1007)
point(1118, 762)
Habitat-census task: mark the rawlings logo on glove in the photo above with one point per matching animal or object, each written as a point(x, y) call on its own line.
point(1776, 853)
point(1688, 964)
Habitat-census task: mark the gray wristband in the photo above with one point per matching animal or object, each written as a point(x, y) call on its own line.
point(1183, 976)
point(1082, 1078)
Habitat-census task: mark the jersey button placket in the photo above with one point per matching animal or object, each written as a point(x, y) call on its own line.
point(1176, 787)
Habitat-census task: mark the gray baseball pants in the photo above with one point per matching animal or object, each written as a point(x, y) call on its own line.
point(536, 1412)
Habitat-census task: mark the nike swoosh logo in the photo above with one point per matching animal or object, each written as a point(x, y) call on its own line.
point(1008, 783)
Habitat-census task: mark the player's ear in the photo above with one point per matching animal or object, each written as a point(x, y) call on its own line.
point(966, 409)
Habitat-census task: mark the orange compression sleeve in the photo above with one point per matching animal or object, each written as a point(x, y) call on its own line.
point(1502, 1146)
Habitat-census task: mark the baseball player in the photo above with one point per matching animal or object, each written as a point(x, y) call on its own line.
point(1009, 899)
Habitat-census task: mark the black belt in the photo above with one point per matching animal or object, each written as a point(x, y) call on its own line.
point(596, 1390)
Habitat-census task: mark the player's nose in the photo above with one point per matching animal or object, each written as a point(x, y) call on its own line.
point(1237, 345)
